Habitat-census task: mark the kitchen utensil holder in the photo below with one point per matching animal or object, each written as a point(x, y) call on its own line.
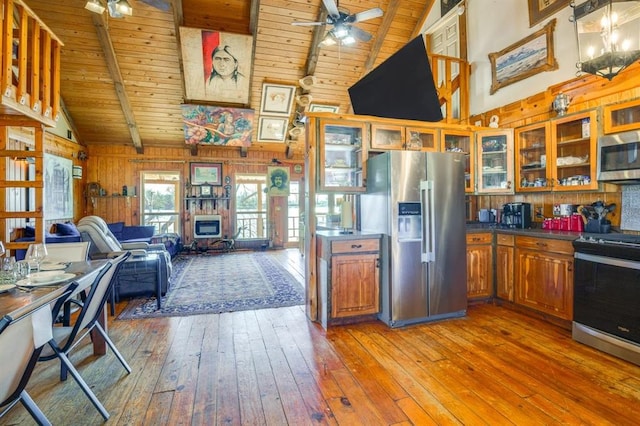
point(597, 226)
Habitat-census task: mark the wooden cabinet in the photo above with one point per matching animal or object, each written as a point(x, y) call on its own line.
point(504, 266)
point(544, 275)
point(341, 156)
point(390, 137)
point(573, 165)
point(349, 274)
point(532, 145)
point(622, 117)
point(494, 161)
point(461, 141)
point(557, 155)
point(479, 265)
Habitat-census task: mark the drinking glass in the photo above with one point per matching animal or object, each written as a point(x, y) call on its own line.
point(22, 269)
point(2, 250)
point(8, 273)
point(36, 254)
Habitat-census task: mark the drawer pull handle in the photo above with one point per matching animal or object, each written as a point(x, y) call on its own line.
point(356, 246)
point(541, 244)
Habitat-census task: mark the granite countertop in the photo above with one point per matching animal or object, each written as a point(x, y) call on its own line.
point(479, 227)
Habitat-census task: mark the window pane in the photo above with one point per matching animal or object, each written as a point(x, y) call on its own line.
point(251, 206)
point(160, 201)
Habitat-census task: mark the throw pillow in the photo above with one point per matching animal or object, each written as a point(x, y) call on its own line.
point(116, 228)
point(67, 228)
point(29, 231)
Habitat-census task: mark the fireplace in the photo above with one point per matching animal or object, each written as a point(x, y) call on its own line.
point(207, 226)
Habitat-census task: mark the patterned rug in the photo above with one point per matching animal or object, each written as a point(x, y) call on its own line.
point(209, 284)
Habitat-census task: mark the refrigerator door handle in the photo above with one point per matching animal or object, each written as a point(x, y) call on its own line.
point(428, 234)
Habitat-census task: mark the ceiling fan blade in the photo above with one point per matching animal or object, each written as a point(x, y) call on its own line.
point(332, 8)
point(360, 34)
point(158, 4)
point(367, 14)
point(307, 24)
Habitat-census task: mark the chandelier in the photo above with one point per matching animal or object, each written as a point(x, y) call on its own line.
point(608, 34)
point(116, 8)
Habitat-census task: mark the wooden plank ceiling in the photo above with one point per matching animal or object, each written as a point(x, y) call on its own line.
point(122, 81)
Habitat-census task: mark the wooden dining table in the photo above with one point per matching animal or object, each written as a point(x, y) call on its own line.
point(17, 301)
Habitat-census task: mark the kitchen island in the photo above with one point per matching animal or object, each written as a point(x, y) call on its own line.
point(348, 276)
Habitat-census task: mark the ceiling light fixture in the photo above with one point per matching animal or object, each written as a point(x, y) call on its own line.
point(116, 8)
point(608, 35)
point(341, 34)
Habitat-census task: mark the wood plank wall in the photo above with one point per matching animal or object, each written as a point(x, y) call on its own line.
point(586, 93)
point(117, 165)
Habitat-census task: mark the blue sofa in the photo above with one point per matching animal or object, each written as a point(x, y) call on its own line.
point(58, 233)
point(131, 234)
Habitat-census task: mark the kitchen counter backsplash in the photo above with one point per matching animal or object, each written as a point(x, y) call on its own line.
point(630, 218)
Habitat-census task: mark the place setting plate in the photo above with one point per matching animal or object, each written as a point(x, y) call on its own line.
point(45, 278)
point(52, 266)
point(6, 287)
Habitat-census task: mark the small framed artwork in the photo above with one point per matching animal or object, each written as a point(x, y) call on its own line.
point(313, 107)
point(206, 174)
point(272, 129)
point(540, 10)
point(527, 57)
point(277, 99)
point(205, 191)
point(278, 181)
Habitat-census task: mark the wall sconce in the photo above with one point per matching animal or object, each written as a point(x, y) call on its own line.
point(77, 172)
point(608, 35)
point(307, 82)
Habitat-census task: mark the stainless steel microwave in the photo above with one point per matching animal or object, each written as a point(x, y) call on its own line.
point(619, 158)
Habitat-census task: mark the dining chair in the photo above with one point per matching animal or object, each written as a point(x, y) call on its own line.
point(68, 252)
point(22, 337)
point(65, 338)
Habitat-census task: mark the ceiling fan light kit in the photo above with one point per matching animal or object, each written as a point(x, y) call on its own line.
point(94, 6)
point(116, 8)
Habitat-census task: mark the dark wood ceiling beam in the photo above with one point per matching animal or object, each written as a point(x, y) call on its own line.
point(314, 49)
point(383, 29)
point(118, 82)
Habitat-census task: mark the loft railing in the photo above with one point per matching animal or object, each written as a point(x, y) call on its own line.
point(30, 72)
point(451, 77)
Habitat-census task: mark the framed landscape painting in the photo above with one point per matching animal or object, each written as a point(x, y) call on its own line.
point(529, 56)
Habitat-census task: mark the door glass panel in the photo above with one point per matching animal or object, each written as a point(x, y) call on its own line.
point(160, 201)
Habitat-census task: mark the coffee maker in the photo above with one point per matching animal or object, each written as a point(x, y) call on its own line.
point(516, 215)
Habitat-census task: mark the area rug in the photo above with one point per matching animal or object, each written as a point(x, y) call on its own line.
point(206, 284)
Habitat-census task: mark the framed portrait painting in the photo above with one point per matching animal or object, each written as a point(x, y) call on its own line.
point(58, 187)
point(278, 181)
point(539, 10)
point(206, 174)
point(277, 99)
point(529, 56)
point(217, 65)
point(272, 129)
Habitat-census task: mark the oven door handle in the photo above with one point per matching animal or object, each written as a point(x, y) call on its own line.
point(623, 263)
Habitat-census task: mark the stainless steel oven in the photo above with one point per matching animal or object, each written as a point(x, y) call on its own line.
point(606, 298)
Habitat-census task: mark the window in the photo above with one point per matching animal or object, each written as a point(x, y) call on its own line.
point(161, 201)
point(293, 214)
point(328, 210)
point(251, 206)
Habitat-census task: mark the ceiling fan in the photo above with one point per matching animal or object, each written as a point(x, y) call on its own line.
point(343, 31)
point(121, 8)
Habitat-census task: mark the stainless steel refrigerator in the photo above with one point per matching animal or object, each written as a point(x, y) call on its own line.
point(416, 200)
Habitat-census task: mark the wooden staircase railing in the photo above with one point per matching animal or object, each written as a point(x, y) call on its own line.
point(451, 77)
point(30, 71)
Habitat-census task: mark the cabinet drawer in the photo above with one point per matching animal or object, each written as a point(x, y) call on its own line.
point(546, 244)
point(480, 238)
point(355, 246)
point(504, 239)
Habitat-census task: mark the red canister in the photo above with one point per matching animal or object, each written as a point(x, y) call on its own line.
point(555, 224)
point(576, 223)
point(564, 223)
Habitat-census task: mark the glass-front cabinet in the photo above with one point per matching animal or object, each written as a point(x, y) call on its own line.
point(622, 117)
point(461, 141)
point(532, 145)
point(574, 156)
point(388, 137)
point(494, 162)
point(341, 157)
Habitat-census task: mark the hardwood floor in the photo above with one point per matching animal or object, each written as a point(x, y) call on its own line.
point(274, 367)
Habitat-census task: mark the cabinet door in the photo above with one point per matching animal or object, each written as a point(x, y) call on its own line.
point(387, 137)
point(622, 117)
point(574, 152)
point(532, 155)
point(504, 272)
point(544, 282)
point(421, 139)
point(341, 157)
point(354, 285)
point(479, 266)
point(494, 161)
point(461, 141)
